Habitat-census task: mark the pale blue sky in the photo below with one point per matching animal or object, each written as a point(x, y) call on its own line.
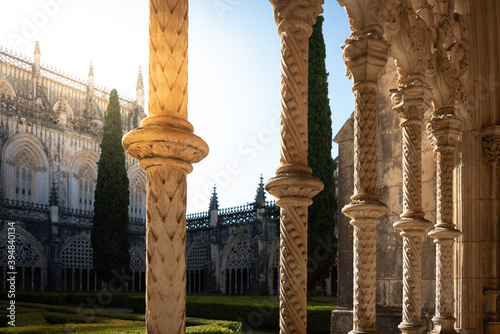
point(234, 74)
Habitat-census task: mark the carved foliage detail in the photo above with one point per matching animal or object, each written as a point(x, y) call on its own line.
point(294, 66)
point(166, 250)
point(492, 148)
point(365, 125)
point(297, 12)
point(168, 45)
point(293, 270)
point(365, 277)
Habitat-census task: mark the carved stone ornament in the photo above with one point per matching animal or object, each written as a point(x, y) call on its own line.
point(166, 147)
point(296, 12)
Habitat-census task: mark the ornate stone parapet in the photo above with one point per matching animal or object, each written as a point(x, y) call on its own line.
point(166, 147)
point(410, 103)
point(444, 129)
point(294, 185)
point(365, 60)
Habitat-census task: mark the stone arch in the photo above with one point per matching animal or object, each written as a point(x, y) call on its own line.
point(137, 188)
point(31, 264)
point(273, 268)
point(197, 257)
point(237, 262)
point(26, 168)
point(82, 171)
point(6, 88)
point(64, 110)
point(137, 269)
point(77, 264)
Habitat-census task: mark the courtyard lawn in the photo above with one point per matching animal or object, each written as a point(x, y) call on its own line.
point(255, 312)
point(47, 319)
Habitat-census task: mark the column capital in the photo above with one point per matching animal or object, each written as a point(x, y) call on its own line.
point(491, 143)
point(365, 59)
point(412, 99)
point(165, 140)
point(444, 129)
point(296, 12)
point(294, 189)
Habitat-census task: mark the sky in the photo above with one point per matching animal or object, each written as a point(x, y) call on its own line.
point(233, 65)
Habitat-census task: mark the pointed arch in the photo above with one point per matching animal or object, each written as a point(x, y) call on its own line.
point(137, 188)
point(197, 257)
point(273, 268)
point(26, 169)
point(237, 262)
point(31, 263)
point(82, 171)
point(6, 88)
point(77, 268)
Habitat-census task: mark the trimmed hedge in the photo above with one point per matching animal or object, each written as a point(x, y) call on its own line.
point(255, 316)
point(55, 318)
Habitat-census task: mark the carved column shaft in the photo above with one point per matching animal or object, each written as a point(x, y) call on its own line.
point(294, 185)
point(410, 103)
point(365, 61)
point(444, 128)
point(166, 147)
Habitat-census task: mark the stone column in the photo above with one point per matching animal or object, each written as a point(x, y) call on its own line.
point(365, 60)
point(410, 103)
point(444, 128)
point(166, 147)
point(294, 185)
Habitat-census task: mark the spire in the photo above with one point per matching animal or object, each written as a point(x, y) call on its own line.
point(53, 201)
point(260, 197)
point(37, 48)
point(91, 71)
point(214, 201)
point(90, 82)
point(140, 90)
point(140, 83)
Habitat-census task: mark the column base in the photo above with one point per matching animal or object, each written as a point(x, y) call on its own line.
point(443, 325)
point(412, 328)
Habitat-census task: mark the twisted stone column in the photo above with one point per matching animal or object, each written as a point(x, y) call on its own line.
point(365, 60)
point(444, 129)
point(410, 102)
point(294, 185)
point(166, 147)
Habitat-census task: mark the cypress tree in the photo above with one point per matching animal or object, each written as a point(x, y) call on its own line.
point(322, 213)
point(110, 239)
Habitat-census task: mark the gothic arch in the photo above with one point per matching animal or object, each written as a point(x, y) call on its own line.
point(77, 264)
point(237, 260)
point(83, 167)
point(6, 88)
point(137, 187)
point(137, 269)
point(273, 267)
point(197, 256)
point(19, 149)
point(29, 255)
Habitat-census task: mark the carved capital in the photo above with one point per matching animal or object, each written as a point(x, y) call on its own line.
point(365, 59)
point(444, 129)
point(301, 13)
point(366, 17)
point(165, 140)
point(412, 99)
point(491, 143)
point(292, 189)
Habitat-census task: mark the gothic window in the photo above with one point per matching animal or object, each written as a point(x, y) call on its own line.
point(28, 264)
point(77, 266)
point(196, 260)
point(137, 199)
point(138, 269)
point(238, 265)
point(5, 90)
point(86, 187)
point(276, 270)
point(24, 169)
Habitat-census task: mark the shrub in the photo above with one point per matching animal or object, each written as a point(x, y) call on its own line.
point(55, 318)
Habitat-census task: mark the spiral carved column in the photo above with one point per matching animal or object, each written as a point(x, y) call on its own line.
point(294, 186)
point(365, 60)
point(444, 129)
point(410, 102)
point(166, 147)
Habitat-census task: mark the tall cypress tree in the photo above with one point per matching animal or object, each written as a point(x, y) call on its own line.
point(322, 213)
point(110, 239)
